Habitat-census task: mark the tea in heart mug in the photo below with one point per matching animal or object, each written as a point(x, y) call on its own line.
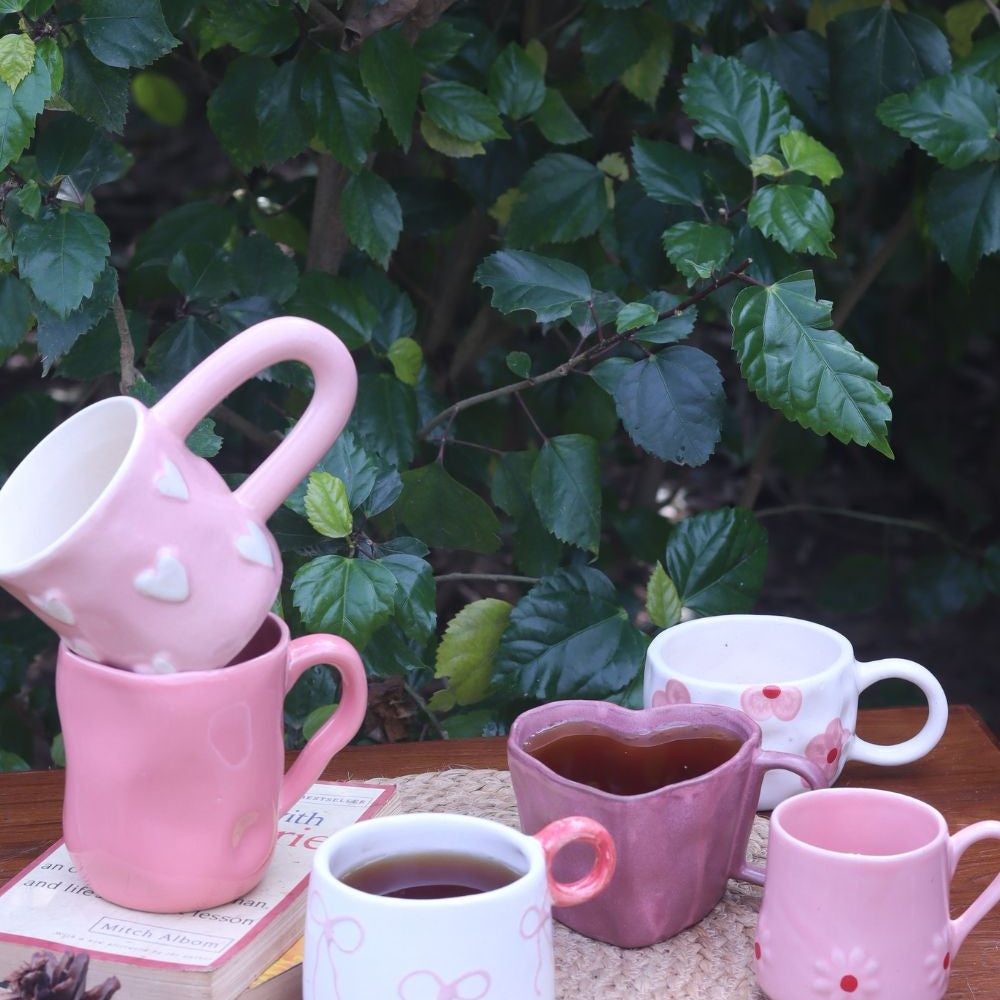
point(856, 899)
point(174, 783)
point(489, 945)
point(678, 844)
point(799, 680)
point(133, 548)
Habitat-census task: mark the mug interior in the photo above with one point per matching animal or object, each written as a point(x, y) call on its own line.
point(857, 822)
point(63, 478)
point(747, 650)
point(268, 636)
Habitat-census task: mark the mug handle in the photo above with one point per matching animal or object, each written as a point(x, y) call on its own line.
point(958, 844)
point(569, 830)
point(346, 720)
point(286, 338)
point(937, 713)
point(775, 760)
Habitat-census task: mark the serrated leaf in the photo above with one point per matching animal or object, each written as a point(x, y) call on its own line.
point(736, 104)
point(336, 303)
point(961, 20)
point(232, 110)
point(663, 603)
point(439, 43)
point(257, 27)
point(55, 335)
point(372, 216)
point(668, 173)
point(93, 90)
point(697, 249)
point(18, 110)
point(126, 33)
point(566, 488)
point(467, 651)
point(717, 560)
point(429, 490)
point(416, 593)
point(672, 327)
point(179, 349)
point(201, 271)
point(671, 404)
point(519, 362)
point(611, 41)
point(809, 156)
point(644, 79)
point(953, 117)
point(260, 267)
point(348, 460)
point(799, 218)
point(385, 418)
point(793, 361)
point(462, 111)
point(558, 122)
point(521, 280)
point(327, 506)
point(445, 143)
point(15, 313)
point(159, 97)
point(347, 597)
point(391, 74)
point(767, 166)
point(60, 255)
point(407, 358)
point(635, 315)
point(516, 83)
point(17, 56)
point(564, 199)
point(569, 637)
point(283, 126)
point(963, 215)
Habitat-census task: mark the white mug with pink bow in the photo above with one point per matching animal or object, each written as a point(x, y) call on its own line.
point(799, 680)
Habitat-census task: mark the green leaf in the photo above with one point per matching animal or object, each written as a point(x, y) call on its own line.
point(569, 637)
point(519, 362)
point(17, 56)
point(15, 313)
point(429, 490)
point(232, 110)
point(730, 101)
point(611, 42)
point(18, 110)
point(671, 404)
point(516, 83)
point(347, 597)
point(10, 761)
point(558, 122)
point(644, 79)
point(697, 249)
point(416, 592)
point(463, 111)
point(953, 117)
point(439, 43)
point(391, 73)
point(799, 218)
point(963, 215)
point(521, 280)
point(160, 98)
point(663, 603)
point(327, 506)
point(793, 361)
point(668, 173)
point(564, 199)
point(961, 20)
point(718, 559)
point(767, 166)
point(260, 267)
point(809, 156)
point(372, 216)
point(875, 53)
point(336, 303)
point(346, 118)
point(670, 328)
point(62, 144)
point(202, 271)
point(468, 648)
point(60, 255)
point(56, 335)
point(406, 358)
point(635, 315)
point(93, 90)
point(385, 418)
point(179, 349)
point(126, 33)
point(445, 143)
point(566, 488)
point(283, 126)
point(316, 718)
point(257, 27)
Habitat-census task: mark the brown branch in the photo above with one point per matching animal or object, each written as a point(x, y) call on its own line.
point(268, 440)
point(358, 25)
point(126, 349)
point(327, 238)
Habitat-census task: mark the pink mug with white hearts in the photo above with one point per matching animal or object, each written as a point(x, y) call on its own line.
point(856, 899)
point(799, 681)
point(132, 547)
point(477, 943)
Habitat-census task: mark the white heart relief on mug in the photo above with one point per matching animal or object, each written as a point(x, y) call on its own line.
point(166, 581)
point(171, 483)
point(54, 606)
point(253, 546)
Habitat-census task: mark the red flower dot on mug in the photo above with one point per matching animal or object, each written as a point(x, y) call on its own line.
point(849, 984)
point(832, 755)
point(771, 691)
point(947, 960)
point(756, 951)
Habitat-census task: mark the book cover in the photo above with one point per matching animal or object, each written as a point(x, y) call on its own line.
point(212, 953)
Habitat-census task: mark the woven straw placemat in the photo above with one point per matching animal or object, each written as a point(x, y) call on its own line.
point(710, 961)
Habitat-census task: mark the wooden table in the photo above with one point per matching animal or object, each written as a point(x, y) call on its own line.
point(961, 778)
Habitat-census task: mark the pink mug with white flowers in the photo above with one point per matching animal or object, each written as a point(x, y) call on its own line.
point(856, 901)
point(798, 680)
point(133, 548)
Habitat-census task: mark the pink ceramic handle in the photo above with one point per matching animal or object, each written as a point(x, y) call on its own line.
point(287, 338)
point(569, 830)
point(958, 844)
point(773, 760)
point(342, 726)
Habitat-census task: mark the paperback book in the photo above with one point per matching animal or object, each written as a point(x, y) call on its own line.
point(201, 955)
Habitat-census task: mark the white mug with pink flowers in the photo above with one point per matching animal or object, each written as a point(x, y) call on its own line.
point(799, 680)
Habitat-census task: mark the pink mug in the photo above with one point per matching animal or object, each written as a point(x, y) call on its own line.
point(856, 898)
point(174, 783)
point(133, 548)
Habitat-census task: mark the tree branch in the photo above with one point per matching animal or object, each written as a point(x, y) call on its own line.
point(359, 24)
point(327, 239)
point(126, 349)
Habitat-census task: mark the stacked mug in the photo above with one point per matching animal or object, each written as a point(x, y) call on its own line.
point(172, 670)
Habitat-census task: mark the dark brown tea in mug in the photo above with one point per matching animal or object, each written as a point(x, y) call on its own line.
point(590, 754)
point(430, 875)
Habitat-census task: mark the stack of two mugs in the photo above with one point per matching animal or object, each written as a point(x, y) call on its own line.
point(171, 669)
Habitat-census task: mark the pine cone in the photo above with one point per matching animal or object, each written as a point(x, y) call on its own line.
point(46, 977)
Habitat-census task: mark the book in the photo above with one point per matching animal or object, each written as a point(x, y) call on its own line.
point(201, 955)
point(282, 980)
